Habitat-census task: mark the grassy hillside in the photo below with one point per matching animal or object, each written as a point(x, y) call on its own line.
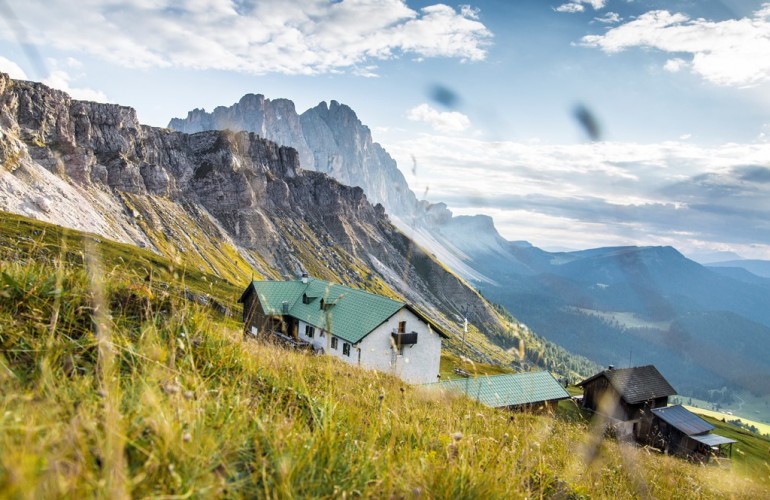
point(216, 270)
point(116, 383)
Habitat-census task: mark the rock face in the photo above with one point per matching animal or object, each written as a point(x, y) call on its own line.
point(275, 120)
point(94, 167)
point(329, 139)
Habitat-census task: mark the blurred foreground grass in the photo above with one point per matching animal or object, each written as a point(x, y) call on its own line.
point(116, 381)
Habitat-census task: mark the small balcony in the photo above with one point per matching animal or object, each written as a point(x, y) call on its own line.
point(403, 338)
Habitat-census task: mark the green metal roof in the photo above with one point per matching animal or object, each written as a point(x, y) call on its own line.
point(508, 390)
point(350, 315)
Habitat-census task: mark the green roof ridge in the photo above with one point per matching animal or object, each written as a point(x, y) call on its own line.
point(353, 313)
point(509, 389)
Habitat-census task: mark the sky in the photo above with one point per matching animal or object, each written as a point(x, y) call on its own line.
point(573, 123)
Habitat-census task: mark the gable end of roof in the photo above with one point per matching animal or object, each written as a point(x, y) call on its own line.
point(637, 384)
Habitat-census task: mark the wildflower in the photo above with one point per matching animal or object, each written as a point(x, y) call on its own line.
point(457, 436)
point(186, 437)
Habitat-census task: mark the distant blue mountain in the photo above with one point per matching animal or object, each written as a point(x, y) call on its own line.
point(758, 267)
point(704, 327)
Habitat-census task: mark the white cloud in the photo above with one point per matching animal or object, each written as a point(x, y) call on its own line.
point(283, 36)
point(12, 69)
point(735, 52)
point(764, 134)
point(609, 18)
point(570, 8)
point(605, 193)
point(577, 6)
point(59, 79)
point(675, 65)
point(443, 121)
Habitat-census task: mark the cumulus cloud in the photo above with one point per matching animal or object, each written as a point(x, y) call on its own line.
point(734, 52)
point(443, 121)
point(60, 79)
point(609, 18)
point(12, 69)
point(283, 36)
point(571, 8)
point(57, 79)
point(675, 65)
point(605, 193)
point(577, 6)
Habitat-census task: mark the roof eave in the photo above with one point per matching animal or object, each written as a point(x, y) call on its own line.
point(249, 288)
point(427, 320)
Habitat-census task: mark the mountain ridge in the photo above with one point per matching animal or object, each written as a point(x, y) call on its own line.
point(229, 203)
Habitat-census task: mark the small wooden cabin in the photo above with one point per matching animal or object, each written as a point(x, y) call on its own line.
point(678, 431)
point(626, 397)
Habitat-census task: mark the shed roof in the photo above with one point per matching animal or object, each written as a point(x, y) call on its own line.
point(350, 314)
point(713, 439)
point(508, 390)
point(636, 384)
point(683, 419)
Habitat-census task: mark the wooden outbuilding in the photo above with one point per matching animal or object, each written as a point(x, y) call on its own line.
point(626, 397)
point(678, 431)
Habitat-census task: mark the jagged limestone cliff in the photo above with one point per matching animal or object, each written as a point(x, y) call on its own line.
point(329, 139)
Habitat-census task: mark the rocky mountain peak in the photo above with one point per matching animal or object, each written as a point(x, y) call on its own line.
point(329, 138)
point(332, 139)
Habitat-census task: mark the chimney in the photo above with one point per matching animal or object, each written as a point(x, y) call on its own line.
point(611, 367)
point(304, 277)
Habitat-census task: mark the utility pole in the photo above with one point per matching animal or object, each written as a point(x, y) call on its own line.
point(465, 321)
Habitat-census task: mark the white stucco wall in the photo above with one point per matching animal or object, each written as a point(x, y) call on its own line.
point(418, 365)
point(420, 362)
point(325, 342)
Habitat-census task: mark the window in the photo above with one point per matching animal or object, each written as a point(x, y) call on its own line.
point(346, 349)
point(402, 327)
point(309, 331)
point(322, 303)
point(334, 342)
point(305, 299)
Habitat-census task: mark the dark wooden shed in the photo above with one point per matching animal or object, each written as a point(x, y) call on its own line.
point(678, 431)
point(626, 397)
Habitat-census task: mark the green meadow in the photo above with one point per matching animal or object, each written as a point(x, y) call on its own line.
point(125, 374)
